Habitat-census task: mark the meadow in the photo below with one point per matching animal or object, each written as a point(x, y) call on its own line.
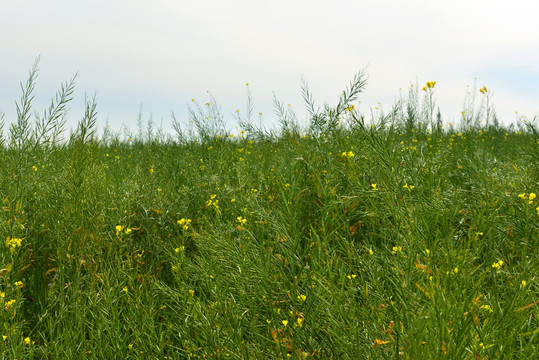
point(399, 236)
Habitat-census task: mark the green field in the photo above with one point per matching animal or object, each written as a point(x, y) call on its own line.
point(397, 236)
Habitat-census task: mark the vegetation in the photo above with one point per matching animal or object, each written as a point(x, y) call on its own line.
point(396, 237)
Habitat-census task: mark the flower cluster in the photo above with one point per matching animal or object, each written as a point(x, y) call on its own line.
point(13, 243)
point(122, 228)
point(184, 223)
point(429, 85)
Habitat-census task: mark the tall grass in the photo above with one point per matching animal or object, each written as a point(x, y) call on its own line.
point(397, 237)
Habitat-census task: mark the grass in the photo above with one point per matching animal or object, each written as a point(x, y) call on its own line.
point(398, 237)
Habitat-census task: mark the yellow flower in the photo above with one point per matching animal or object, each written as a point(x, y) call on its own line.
point(522, 196)
point(371, 252)
point(241, 221)
point(427, 251)
point(192, 292)
point(409, 187)
point(373, 186)
point(396, 249)
point(13, 243)
point(27, 341)
point(285, 322)
point(119, 228)
point(532, 196)
point(19, 284)
point(34, 167)
point(498, 264)
point(184, 223)
point(302, 297)
point(524, 283)
point(483, 90)
point(487, 307)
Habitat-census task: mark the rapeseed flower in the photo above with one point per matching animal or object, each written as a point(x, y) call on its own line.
point(13, 243)
point(408, 187)
point(184, 223)
point(487, 307)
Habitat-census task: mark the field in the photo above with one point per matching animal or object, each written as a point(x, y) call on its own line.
point(394, 237)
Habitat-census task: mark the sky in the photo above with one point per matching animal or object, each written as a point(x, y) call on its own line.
point(161, 54)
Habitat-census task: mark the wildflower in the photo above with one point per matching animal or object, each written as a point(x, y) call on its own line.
point(285, 322)
point(13, 243)
point(241, 220)
point(302, 297)
point(2, 295)
point(374, 188)
point(427, 251)
point(487, 307)
point(125, 289)
point(19, 284)
point(497, 265)
point(396, 249)
point(532, 196)
point(192, 292)
point(408, 187)
point(27, 341)
point(523, 283)
point(350, 277)
point(483, 90)
point(119, 229)
point(184, 223)
point(371, 252)
point(522, 196)
point(34, 167)
point(300, 321)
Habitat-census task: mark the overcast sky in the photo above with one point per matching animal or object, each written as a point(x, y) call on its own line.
point(163, 53)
